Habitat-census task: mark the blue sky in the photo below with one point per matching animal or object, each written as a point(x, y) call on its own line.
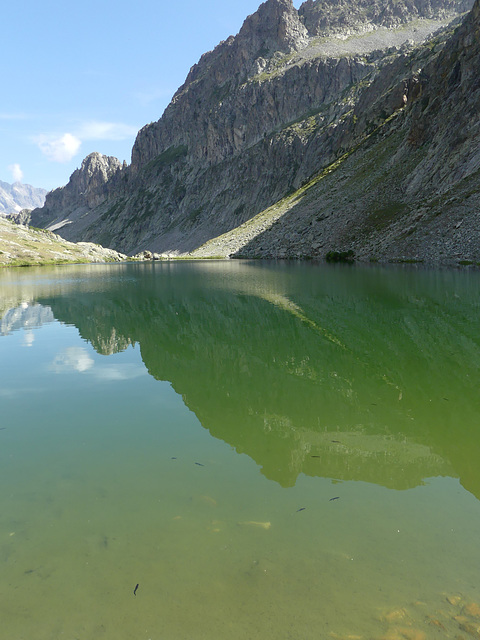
point(85, 76)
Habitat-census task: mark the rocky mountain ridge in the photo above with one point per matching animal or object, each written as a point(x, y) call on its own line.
point(341, 16)
point(262, 116)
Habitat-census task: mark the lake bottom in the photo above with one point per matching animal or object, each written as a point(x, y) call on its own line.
point(218, 554)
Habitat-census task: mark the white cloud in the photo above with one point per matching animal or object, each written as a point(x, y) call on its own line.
point(63, 147)
point(77, 359)
point(16, 172)
point(59, 149)
point(97, 130)
point(72, 359)
point(118, 372)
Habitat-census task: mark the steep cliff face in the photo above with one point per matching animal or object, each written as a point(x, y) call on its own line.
point(271, 74)
point(256, 119)
point(208, 112)
point(409, 190)
point(445, 117)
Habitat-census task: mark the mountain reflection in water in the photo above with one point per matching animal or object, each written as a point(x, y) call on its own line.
point(350, 374)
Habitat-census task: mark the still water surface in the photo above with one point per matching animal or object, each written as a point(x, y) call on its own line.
point(268, 451)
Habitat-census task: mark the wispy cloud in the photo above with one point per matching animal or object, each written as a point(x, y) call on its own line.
point(63, 147)
point(98, 130)
point(118, 372)
point(16, 172)
point(13, 116)
point(9, 393)
point(77, 359)
point(58, 148)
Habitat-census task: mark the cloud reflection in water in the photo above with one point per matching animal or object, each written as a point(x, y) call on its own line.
point(77, 359)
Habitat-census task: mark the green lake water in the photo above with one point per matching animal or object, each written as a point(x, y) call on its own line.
point(272, 451)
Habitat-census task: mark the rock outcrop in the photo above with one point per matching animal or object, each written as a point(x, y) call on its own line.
point(259, 119)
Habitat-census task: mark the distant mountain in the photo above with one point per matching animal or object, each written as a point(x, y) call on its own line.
point(18, 196)
point(341, 126)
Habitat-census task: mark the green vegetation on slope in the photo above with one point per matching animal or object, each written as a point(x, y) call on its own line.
point(22, 246)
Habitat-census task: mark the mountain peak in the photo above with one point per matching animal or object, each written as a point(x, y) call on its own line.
point(275, 26)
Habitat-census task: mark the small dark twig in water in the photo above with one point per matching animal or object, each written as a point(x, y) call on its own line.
point(337, 441)
point(135, 590)
point(200, 464)
point(314, 456)
point(301, 509)
point(336, 498)
point(173, 458)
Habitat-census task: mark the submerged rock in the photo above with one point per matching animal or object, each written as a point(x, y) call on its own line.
point(253, 523)
point(472, 609)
